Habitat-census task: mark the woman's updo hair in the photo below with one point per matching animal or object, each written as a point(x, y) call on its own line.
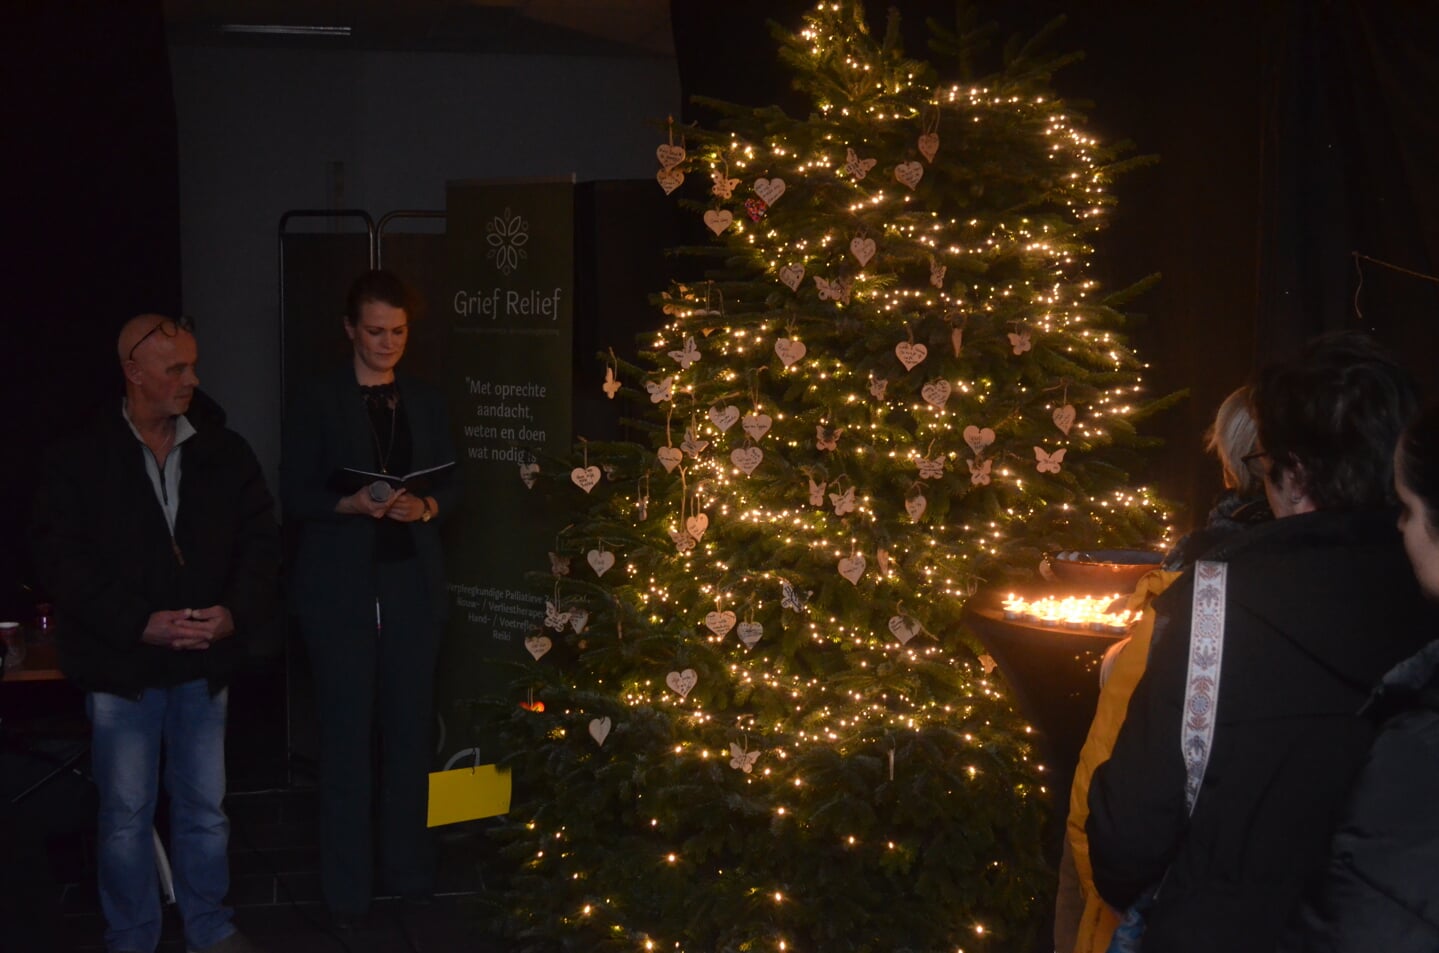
point(1419, 462)
point(1332, 417)
point(385, 287)
point(1232, 437)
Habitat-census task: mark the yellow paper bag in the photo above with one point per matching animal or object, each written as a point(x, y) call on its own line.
point(466, 794)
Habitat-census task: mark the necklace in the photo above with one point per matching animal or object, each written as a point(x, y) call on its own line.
point(375, 397)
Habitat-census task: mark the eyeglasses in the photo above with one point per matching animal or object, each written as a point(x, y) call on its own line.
point(166, 327)
point(1251, 457)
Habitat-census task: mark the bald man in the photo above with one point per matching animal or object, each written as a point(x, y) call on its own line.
point(155, 536)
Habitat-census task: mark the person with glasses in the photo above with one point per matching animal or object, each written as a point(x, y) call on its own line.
point(1319, 604)
point(155, 534)
point(369, 589)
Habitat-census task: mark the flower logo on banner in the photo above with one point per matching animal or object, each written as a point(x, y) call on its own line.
point(507, 234)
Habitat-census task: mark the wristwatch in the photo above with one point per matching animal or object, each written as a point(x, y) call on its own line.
point(425, 517)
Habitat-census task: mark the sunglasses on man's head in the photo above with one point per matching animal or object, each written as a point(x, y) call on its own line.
point(166, 327)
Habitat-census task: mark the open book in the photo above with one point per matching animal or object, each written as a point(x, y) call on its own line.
point(349, 479)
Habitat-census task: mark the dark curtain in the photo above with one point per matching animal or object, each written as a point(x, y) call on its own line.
point(1353, 163)
point(91, 215)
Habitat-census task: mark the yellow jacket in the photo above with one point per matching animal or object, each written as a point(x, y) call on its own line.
point(1099, 919)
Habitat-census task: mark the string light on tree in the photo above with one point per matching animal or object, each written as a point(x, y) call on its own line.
point(897, 383)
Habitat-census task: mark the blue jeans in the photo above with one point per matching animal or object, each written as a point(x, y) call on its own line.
point(128, 736)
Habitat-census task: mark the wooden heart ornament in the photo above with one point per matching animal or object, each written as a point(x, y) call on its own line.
point(978, 438)
point(600, 729)
point(1064, 418)
point(670, 457)
point(852, 567)
point(936, 393)
point(601, 561)
point(757, 425)
point(928, 146)
point(586, 478)
point(909, 173)
point(529, 473)
point(724, 417)
point(682, 683)
point(720, 622)
point(792, 275)
point(696, 525)
point(538, 645)
point(910, 354)
point(719, 219)
point(789, 350)
point(746, 459)
point(904, 628)
point(862, 249)
point(669, 179)
point(749, 633)
point(670, 156)
point(769, 189)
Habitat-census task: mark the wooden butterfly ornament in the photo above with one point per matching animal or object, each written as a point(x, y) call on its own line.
point(826, 439)
point(1048, 462)
point(855, 166)
point(740, 759)
point(687, 354)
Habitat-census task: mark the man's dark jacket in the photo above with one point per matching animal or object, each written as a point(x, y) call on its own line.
point(1381, 891)
point(1319, 607)
point(104, 553)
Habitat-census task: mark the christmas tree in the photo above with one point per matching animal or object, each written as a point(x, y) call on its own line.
point(764, 726)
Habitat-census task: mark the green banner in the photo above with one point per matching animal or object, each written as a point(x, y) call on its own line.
point(508, 372)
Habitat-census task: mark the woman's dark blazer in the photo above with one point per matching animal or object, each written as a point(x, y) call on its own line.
point(328, 428)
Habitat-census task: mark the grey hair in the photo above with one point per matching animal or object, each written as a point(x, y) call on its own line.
point(1233, 436)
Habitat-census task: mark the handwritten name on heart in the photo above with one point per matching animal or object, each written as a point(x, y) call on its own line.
point(749, 633)
point(852, 567)
point(978, 438)
point(682, 683)
point(757, 425)
point(746, 459)
point(1064, 417)
point(936, 393)
point(789, 350)
point(538, 645)
point(903, 628)
point(669, 179)
point(720, 622)
point(719, 219)
point(601, 561)
point(792, 275)
point(670, 156)
point(670, 457)
point(769, 189)
point(586, 478)
point(910, 354)
point(724, 417)
point(928, 146)
point(600, 730)
point(909, 173)
point(697, 524)
point(862, 249)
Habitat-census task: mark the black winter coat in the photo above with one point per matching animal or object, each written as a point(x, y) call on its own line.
point(1381, 890)
point(104, 553)
point(1319, 606)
